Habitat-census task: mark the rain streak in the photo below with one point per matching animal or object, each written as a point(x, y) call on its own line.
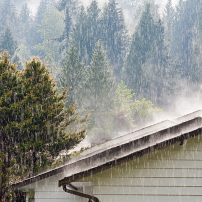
point(100, 100)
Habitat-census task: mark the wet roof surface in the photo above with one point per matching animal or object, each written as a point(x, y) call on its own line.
point(129, 146)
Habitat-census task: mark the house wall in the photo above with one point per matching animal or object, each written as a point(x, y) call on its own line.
point(173, 174)
point(48, 190)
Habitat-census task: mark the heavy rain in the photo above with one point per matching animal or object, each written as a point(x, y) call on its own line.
point(100, 100)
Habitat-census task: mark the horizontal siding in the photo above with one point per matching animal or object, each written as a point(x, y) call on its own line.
point(48, 190)
point(170, 174)
point(55, 195)
point(174, 163)
point(151, 198)
point(150, 182)
point(124, 190)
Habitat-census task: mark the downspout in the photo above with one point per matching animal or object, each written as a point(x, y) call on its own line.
point(79, 193)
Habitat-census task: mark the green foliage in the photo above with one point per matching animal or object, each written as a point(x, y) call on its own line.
point(50, 135)
point(7, 42)
point(107, 26)
point(169, 21)
point(73, 76)
point(147, 69)
point(25, 25)
point(51, 26)
point(99, 84)
point(114, 36)
point(70, 9)
point(79, 35)
point(35, 126)
point(93, 28)
point(123, 97)
point(143, 111)
point(123, 108)
point(8, 15)
point(130, 112)
point(98, 94)
point(183, 34)
point(10, 102)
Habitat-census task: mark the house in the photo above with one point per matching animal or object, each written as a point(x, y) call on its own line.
point(162, 162)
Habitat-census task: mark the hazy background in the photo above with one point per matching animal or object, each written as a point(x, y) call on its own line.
point(33, 4)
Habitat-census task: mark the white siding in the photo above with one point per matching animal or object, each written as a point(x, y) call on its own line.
point(48, 190)
point(173, 174)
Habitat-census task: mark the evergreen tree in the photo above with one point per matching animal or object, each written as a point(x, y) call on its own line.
point(6, 13)
point(8, 17)
point(141, 45)
point(87, 31)
point(196, 71)
point(7, 42)
point(70, 8)
point(47, 136)
point(73, 76)
point(79, 35)
point(99, 84)
point(114, 36)
point(93, 27)
point(68, 24)
point(146, 70)
point(181, 44)
point(35, 127)
point(50, 29)
point(11, 93)
point(169, 20)
point(35, 35)
point(25, 21)
point(98, 96)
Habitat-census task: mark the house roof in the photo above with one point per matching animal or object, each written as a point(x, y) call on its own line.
point(124, 148)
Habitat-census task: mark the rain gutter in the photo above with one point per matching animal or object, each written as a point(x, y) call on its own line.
point(118, 161)
point(75, 192)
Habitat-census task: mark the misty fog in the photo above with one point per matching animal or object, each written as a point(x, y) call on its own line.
point(76, 74)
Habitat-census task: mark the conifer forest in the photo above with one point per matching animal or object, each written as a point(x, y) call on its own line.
point(72, 70)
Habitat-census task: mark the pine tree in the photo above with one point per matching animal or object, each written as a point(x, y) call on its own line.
point(25, 21)
point(87, 31)
point(11, 93)
point(8, 17)
point(169, 20)
point(35, 37)
point(141, 46)
point(99, 84)
point(50, 135)
point(35, 127)
point(98, 96)
point(79, 36)
point(146, 70)
point(50, 29)
point(183, 27)
point(195, 71)
point(7, 42)
point(70, 8)
point(93, 27)
point(114, 36)
point(73, 76)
